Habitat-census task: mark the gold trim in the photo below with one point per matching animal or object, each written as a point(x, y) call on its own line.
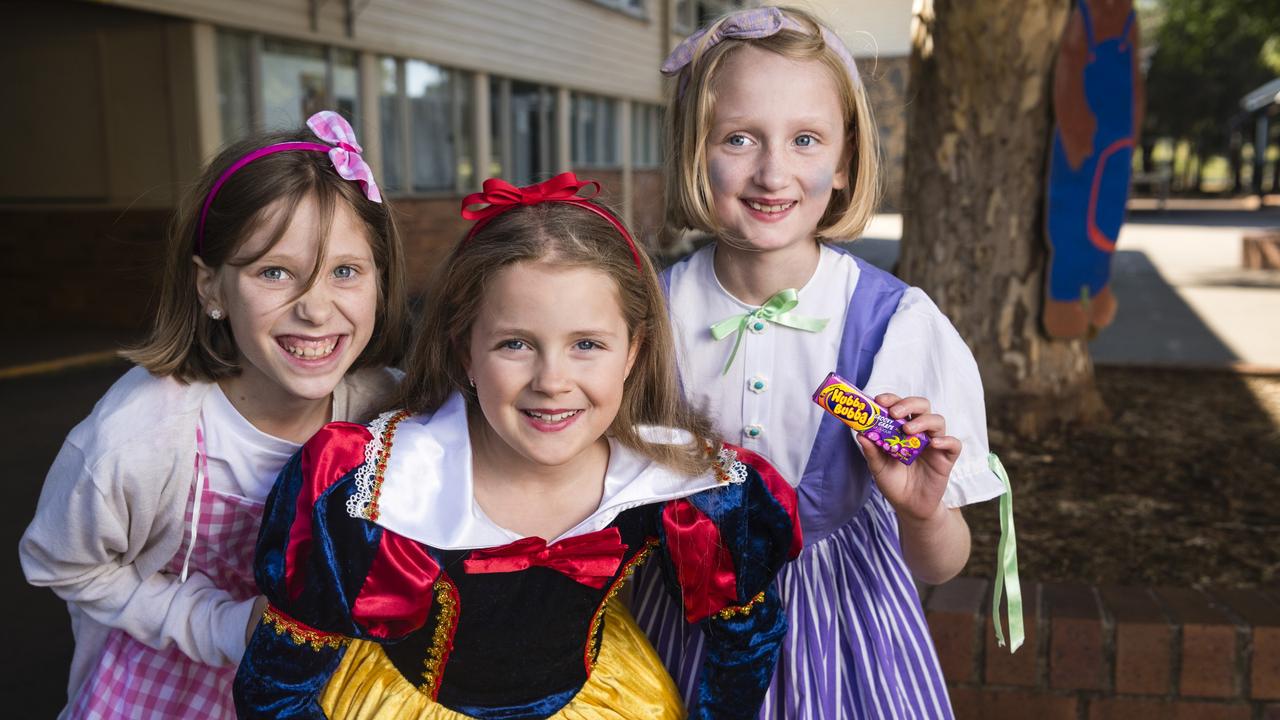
point(301, 634)
point(388, 436)
point(593, 637)
point(732, 610)
point(442, 638)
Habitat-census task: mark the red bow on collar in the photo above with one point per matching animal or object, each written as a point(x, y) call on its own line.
point(590, 559)
point(499, 196)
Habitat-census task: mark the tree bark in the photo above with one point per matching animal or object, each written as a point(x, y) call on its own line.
point(1237, 163)
point(973, 222)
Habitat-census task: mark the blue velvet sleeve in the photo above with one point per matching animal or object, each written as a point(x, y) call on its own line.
point(741, 655)
point(729, 589)
point(310, 563)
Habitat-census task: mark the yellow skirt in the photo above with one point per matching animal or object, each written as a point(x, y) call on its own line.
point(628, 683)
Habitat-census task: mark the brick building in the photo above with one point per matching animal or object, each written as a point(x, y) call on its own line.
point(119, 103)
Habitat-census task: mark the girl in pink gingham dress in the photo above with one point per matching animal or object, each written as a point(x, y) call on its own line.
point(282, 305)
point(164, 682)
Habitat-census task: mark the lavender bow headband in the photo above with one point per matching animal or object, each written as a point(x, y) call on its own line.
point(748, 25)
point(343, 150)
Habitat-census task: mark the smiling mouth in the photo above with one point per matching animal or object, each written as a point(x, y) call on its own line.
point(547, 416)
point(770, 207)
point(308, 349)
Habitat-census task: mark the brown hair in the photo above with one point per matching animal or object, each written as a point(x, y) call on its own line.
point(688, 190)
point(562, 235)
point(188, 345)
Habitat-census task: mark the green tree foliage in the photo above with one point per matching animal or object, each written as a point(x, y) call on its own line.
point(1209, 54)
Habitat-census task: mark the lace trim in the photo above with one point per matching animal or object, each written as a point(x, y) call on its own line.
point(732, 610)
point(441, 639)
point(363, 503)
point(301, 634)
point(593, 634)
point(729, 469)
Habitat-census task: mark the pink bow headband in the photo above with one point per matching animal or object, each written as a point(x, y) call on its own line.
point(343, 150)
point(749, 25)
point(499, 196)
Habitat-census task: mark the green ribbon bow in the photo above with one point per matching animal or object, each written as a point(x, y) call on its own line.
point(775, 310)
point(1007, 566)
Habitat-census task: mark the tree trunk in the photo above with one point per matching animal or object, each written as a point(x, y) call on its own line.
point(1237, 164)
point(973, 224)
point(1148, 148)
point(1275, 176)
point(1197, 170)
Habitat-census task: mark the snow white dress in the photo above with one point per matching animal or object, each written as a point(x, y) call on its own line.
point(392, 595)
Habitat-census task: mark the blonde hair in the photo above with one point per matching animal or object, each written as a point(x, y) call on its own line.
point(691, 107)
point(567, 236)
point(190, 346)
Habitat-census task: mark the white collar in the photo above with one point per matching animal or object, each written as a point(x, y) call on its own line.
point(427, 496)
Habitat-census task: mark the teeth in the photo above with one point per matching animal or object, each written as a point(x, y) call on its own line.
point(551, 417)
point(758, 207)
point(310, 349)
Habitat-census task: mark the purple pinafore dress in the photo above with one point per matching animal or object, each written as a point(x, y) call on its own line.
point(857, 645)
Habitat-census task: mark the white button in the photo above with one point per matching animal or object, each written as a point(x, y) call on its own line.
point(754, 431)
point(757, 384)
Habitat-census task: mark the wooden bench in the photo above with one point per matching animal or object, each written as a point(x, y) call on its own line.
point(1262, 250)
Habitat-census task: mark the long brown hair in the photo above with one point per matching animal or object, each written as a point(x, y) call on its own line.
point(562, 235)
point(184, 342)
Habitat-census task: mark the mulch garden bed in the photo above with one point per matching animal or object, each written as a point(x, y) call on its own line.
point(1180, 488)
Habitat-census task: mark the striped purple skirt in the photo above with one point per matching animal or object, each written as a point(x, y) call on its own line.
point(857, 645)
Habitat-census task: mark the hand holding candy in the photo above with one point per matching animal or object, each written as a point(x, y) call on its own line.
point(913, 490)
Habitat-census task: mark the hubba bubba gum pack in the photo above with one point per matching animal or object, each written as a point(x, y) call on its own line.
point(855, 409)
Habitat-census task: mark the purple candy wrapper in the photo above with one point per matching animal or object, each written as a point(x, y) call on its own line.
point(854, 408)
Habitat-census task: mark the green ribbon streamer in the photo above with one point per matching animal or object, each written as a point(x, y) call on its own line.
point(777, 310)
point(1007, 566)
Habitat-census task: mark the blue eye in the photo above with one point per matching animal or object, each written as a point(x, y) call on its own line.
point(587, 345)
point(806, 141)
point(738, 140)
point(344, 272)
point(274, 273)
point(513, 345)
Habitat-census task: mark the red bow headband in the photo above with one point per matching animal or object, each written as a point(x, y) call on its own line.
point(499, 196)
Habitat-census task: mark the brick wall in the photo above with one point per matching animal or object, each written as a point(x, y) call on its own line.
point(1098, 653)
point(79, 269)
point(74, 269)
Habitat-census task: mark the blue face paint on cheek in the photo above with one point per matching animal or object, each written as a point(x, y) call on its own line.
point(721, 176)
point(821, 181)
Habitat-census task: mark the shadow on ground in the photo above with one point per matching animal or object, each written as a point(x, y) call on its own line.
point(35, 417)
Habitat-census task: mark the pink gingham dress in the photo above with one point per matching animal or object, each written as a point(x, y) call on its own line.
point(132, 680)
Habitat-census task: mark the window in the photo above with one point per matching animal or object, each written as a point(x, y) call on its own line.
point(274, 84)
point(235, 84)
point(693, 14)
point(646, 135)
point(426, 127)
point(523, 128)
point(594, 131)
point(631, 7)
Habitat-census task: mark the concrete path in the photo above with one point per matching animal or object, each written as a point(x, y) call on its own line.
point(1184, 298)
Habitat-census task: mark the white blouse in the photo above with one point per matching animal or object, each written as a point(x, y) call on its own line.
point(764, 401)
point(427, 493)
point(243, 460)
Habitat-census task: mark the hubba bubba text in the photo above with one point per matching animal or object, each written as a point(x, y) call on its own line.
point(855, 409)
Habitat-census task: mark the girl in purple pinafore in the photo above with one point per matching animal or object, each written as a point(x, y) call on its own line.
point(778, 160)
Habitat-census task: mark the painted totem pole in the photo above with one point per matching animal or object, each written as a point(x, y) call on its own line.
point(1097, 107)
